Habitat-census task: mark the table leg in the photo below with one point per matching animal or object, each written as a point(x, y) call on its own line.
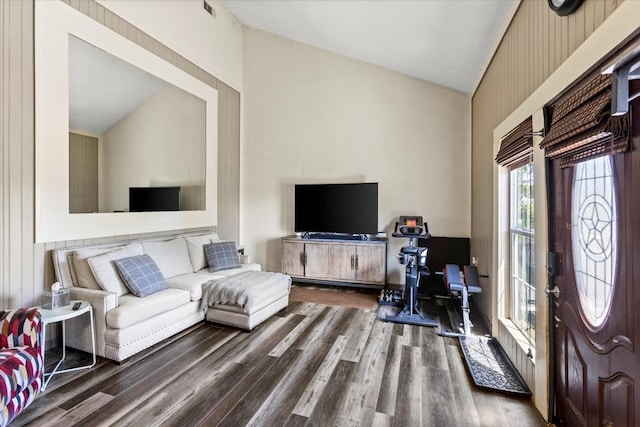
point(93, 336)
point(56, 370)
point(42, 348)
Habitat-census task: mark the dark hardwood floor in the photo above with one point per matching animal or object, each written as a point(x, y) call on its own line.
point(312, 364)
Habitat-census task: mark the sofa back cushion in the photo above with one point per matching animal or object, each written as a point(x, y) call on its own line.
point(171, 256)
point(104, 269)
point(80, 269)
point(195, 245)
point(222, 256)
point(63, 262)
point(62, 259)
point(141, 275)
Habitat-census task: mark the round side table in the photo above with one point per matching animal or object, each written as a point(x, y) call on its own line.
point(62, 314)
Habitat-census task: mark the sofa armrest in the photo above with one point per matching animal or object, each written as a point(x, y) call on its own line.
point(21, 327)
point(79, 332)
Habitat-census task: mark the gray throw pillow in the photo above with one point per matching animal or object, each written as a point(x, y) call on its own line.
point(141, 275)
point(222, 256)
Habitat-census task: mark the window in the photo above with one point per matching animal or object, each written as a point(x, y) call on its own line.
point(594, 237)
point(522, 284)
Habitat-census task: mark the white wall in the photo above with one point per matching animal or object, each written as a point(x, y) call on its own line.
point(311, 116)
point(214, 44)
point(161, 143)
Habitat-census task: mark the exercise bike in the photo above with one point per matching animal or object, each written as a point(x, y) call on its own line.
point(415, 259)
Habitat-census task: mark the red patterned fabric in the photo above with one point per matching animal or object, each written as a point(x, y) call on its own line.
point(21, 365)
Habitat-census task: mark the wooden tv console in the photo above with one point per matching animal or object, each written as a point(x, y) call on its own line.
point(361, 263)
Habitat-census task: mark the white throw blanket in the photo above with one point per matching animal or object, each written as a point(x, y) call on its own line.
point(248, 289)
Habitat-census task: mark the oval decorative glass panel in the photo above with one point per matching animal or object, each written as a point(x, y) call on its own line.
point(594, 237)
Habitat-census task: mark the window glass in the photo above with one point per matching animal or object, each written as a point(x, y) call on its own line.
point(594, 237)
point(523, 303)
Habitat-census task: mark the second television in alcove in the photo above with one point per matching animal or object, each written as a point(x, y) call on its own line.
point(152, 199)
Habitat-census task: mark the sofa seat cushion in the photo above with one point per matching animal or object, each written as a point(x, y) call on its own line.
point(132, 310)
point(19, 367)
point(191, 282)
point(232, 271)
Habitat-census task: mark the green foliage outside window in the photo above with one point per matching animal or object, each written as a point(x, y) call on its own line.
point(523, 304)
point(524, 199)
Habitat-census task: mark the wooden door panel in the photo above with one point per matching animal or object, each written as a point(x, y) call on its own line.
point(371, 264)
point(616, 401)
point(317, 260)
point(343, 259)
point(584, 351)
point(597, 366)
point(293, 258)
point(574, 376)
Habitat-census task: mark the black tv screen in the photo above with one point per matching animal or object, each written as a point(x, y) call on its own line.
point(151, 199)
point(336, 208)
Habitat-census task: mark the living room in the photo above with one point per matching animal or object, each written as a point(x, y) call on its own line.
point(306, 115)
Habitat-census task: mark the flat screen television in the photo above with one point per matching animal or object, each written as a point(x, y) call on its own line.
point(152, 199)
point(337, 208)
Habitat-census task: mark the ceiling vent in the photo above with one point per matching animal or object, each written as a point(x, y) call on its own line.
point(209, 9)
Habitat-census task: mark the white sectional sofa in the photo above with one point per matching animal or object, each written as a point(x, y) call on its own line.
point(127, 324)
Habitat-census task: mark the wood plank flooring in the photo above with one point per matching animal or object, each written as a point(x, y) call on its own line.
point(358, 298)
point(310, 365)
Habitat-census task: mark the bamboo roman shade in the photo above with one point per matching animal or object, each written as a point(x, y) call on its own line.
point(582, 126)
point(516, 147)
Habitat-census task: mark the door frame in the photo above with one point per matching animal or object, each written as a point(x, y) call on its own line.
point(613, 32)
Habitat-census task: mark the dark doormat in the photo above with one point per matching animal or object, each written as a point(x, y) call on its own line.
point(490, 366)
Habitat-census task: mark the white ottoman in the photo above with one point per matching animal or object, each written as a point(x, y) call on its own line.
point(246, 299)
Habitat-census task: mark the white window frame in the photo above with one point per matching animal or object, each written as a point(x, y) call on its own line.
point(522, 289)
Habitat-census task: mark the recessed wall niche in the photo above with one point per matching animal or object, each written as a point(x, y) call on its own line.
point(58, 26)
point(138, 130)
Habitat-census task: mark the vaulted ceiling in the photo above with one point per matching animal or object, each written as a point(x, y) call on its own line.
point(448, 42)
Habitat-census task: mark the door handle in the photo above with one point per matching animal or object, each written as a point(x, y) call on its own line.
point(352, 262)
point(555, 291)
point(356, 261)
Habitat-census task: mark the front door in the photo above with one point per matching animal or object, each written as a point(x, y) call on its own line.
point(595, 229)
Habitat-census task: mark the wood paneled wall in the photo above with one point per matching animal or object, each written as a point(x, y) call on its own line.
point(228, 162)
point(536, 43)
point(19, 280)
point(26, 268)
point(83, 173)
